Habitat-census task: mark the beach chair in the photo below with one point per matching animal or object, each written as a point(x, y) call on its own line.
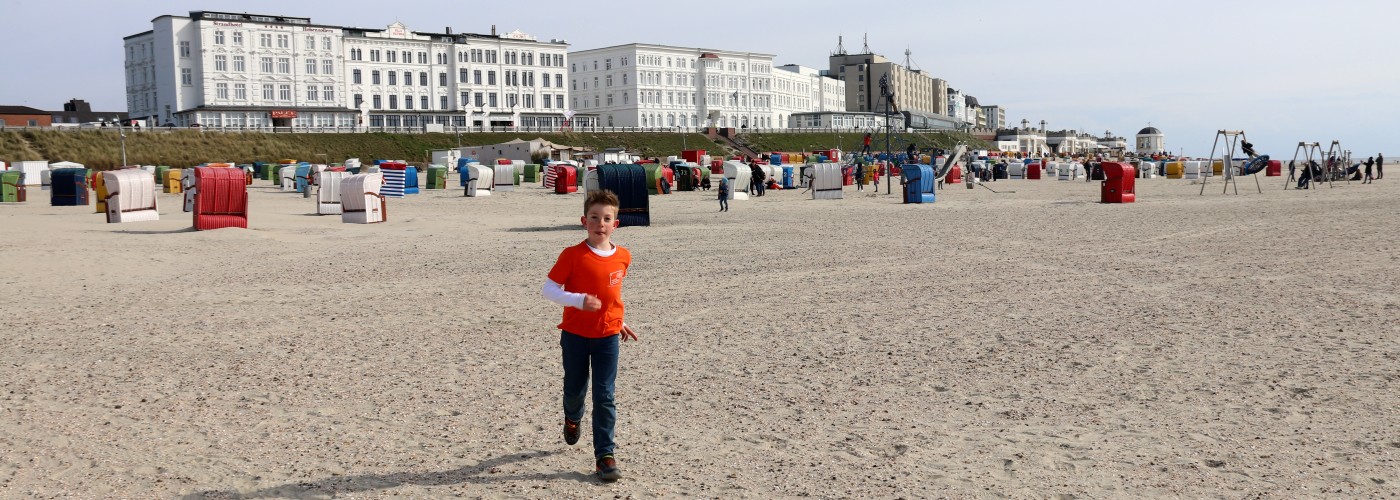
point(394, 179)
point(739, 176)
point(361, 201)
point(328, 185)
point(12, 188)
point(287, 177)
point(131, 196)
point(503, 177)
point(171, 181)
point(69, 187)
point(826, 183)
point(221, 199)
point(188, 186)
point(437, 177)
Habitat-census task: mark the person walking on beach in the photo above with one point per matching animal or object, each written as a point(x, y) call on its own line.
point(1380, 166)
point(1369, 163)
point(587, 281)
point(723, 194)
point(860, 176)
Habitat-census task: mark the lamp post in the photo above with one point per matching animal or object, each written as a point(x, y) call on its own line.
point(121, 133)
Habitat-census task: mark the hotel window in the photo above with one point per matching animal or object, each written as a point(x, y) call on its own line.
point(607, 64)
point(218, 37)
point(374, 77)
point(423, 102)
point(310, 93)
point(393, 78)
point(355, 77)
point(545, 100)
point(476, 77)
point(240, 91)
point(462, 76)
point(267, 91)
point(310, 66)
point(530, 100)
point(442, 79)
point(559, 101)
point(491, 56)
point(559, 80)
point(422, 58)
point(284, 92)
point(480, 99)
point(490, 77)
point(559, 61)
point(408, 78)
point(378, 102)
point(374, 55)
point(238, 38)
point(328, 67)
point(310, 42)
point(326, 43)
point(221, 90)
point(408, 102)
point(407, 57)
point(423, 78)
point(442, 102)
point(359, 99)
point(284, 41)
point(393, 102)
point(184, 49)
point(624, 78)
point(328, 93)
point(491, 98)
point(221, 63)
point(610, 100)
point(391, 56)
point(609, 80)
point(186, 77)
point(546, 80)
point(238, 64)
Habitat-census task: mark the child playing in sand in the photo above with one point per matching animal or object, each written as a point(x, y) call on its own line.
point(587, 281)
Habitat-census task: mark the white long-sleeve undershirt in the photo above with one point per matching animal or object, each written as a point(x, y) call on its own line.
point(554, 292)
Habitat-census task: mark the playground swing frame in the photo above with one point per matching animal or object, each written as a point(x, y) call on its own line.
point(1231, 142)
point(1343, 157)
point(1309, 149)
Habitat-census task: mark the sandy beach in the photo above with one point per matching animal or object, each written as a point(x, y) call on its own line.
point(1034, 344)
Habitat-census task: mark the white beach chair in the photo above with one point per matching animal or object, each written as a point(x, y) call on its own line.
point(328, 192)
point(360, 200)
point(131, 195)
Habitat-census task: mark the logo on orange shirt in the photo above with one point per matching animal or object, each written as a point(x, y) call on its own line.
point(615, 278)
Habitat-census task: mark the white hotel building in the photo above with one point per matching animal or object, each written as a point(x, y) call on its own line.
point(660, 86)
point(219, 69)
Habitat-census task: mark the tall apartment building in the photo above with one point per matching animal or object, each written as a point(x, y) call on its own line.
point(996, 117)
point(224, 69)
point(647, 85)
point(923, 96)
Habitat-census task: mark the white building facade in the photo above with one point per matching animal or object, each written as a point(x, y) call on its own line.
point(660, 86)
point(235, 70)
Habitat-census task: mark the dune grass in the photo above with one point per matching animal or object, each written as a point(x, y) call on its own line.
point(101, 148)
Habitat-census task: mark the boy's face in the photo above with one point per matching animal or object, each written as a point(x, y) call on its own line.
point(600, 221)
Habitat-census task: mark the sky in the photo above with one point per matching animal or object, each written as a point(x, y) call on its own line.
point(1283, 71)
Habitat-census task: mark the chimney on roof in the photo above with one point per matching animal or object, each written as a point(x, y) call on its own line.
point(449, 30)
point(493, 30)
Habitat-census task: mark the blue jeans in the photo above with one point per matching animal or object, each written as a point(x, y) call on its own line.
point(581, 353)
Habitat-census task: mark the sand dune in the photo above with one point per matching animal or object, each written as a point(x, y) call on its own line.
point(1033, 344)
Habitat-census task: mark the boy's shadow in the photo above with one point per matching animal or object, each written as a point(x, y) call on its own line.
point(480, 473)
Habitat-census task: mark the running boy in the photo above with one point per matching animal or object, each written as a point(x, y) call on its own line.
point(587, 281)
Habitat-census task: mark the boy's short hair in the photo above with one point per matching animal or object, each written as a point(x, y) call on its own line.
point(601, 197)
